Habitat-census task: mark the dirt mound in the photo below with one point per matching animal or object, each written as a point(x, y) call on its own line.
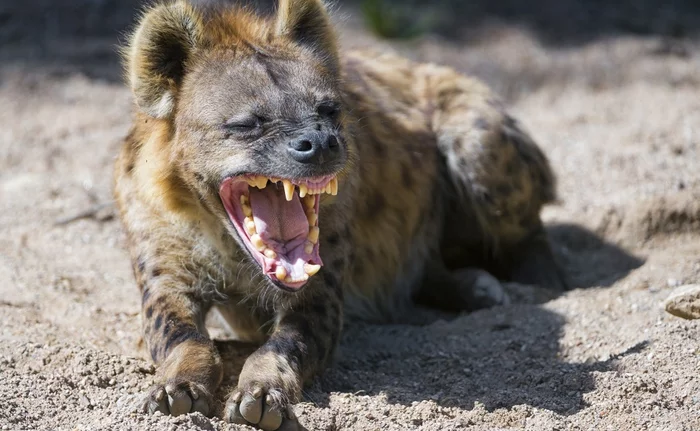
point(654, 219)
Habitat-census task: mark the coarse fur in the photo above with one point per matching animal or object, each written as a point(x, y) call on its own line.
point(440, 190)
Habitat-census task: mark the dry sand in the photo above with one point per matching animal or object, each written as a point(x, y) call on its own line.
point(619, 117)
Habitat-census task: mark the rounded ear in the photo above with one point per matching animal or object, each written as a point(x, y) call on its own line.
point(307, 23)
point(157, 55)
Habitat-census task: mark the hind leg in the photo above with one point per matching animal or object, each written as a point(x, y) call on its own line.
point(466, 289)
point(497, 180)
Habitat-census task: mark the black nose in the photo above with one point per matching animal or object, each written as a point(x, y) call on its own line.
point(316, 148)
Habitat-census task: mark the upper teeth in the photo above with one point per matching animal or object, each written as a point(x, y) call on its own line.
point(330, 188)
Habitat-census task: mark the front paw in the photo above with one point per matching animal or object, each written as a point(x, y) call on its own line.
point(177, 397)
point(264, 408)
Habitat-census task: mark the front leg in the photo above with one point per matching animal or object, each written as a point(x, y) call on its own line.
point(189, 365)
point(301, 345)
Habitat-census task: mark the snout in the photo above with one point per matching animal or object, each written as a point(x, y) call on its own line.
point(315, 148)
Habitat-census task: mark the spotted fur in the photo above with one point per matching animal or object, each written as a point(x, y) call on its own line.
point(438, 186)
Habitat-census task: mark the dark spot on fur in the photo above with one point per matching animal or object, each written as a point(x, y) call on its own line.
point(181, 334)
point(510, 122)
point(289, 345)
point(149, 312)
point(504, 140)
point(378, 147)
point(154, 353)
point(481, 124)
point(129, 168)
point(319, 310)
point(281, 369)
point(141, 264)
point(199, 177)
point(504, 190)
point(446, 97)
point(333, 239)
point(407, 176)
point(375, 204)
point(155, 272)
point(330, 279)
point(338, 264)
point(158, 322)
point(146, 294)
point(511, 168)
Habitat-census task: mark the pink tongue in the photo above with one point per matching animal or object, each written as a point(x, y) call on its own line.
point(276, 219)
point(283, 226)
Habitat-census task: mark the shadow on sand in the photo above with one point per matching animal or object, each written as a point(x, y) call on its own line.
point(500, 358)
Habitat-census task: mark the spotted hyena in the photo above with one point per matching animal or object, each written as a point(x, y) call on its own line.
point(287, 185)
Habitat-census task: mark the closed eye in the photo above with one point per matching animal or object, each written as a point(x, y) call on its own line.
point(245, 124)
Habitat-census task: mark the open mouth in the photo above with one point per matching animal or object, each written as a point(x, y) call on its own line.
point(278, 222)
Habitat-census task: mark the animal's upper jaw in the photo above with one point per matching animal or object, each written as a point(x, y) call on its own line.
point(277, 221)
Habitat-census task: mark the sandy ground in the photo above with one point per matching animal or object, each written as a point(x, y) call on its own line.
point(620, 118)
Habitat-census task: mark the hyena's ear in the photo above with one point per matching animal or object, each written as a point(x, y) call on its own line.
point(158, 53)
point(307, 23)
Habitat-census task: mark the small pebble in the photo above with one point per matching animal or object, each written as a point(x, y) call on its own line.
point(684, 302)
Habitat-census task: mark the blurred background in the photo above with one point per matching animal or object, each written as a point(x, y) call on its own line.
point(69, 35)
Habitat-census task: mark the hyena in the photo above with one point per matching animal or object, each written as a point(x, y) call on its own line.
point(288, 185)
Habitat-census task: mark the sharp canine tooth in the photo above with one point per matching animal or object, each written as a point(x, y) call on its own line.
point(281, 273)
point(334, 186)
point(288, 190)
point(308, 248)
point(247, 210)
point(270, 253)
point(313, 234)
point(303, 189)
point(257, 242)
point(311, 269)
